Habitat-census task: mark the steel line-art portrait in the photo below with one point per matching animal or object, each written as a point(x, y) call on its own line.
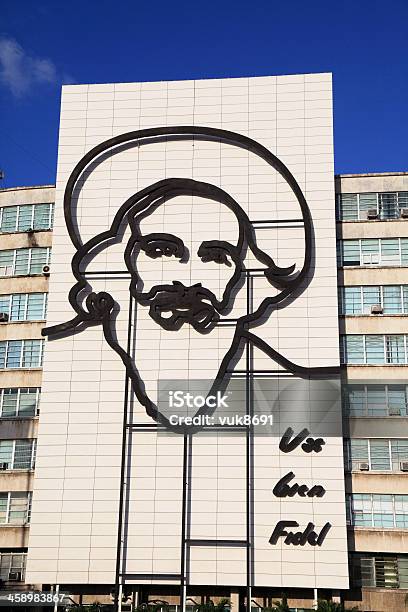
point(174, 305)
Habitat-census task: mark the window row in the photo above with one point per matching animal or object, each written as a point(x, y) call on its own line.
point(359, 300)
point(388, 572)
point(363, 206)
point(21, 354)
point(24, 306)
point(12, 566)
point(374, 349)
point(373, 252)
point(26, 217)
point(372, 510)
point(375, 400)
point(19, 402)
point(23, 262)
point(377, 455)
point(15, 508)
point(17, 454)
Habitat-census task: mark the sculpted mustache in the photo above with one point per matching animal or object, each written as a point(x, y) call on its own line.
point(177, 296)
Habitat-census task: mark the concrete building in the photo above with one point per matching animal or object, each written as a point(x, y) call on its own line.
point(26, 217)
point(372, 282)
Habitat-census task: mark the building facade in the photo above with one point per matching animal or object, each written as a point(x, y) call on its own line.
point(66, 545)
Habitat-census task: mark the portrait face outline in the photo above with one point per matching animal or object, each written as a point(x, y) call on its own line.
point(98, 308)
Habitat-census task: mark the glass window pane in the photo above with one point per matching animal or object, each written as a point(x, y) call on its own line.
point(18, 307)
point(9, 219)
point(371, 297)
point(25, 218)
point(376, 400)
point(367, 572)
point(351, 301)
point(390, 251)
point(399, 453)
point(13, 359)
point(392, 299)
point(368, 201)
point(5, 304)
point(38, 260)
point(10, 400)
point(22, 262)
point(28, 402)
point(405, 297)
point(395, 349)
point(351, 252)
point(370, 252)
point(35, 308)
point(3, 353)
point(6, 262)
point(356, 397)
point(22, 455)
point(354, 349)
point(348, 207)
point(18, 512)
point(380, 455)
point(358, 453)
point(388, 205)
point(6, 452)
point(404, 251)
point(3, 507)
point(403, 572)
point(383, 520)
point(375, 349)
point(397, 400)
point(42, 216)
point(31, 354)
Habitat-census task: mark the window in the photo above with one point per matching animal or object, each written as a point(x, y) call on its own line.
point(21, 354)
point(373, 252)
point(389, 572)
point(355, 206)
point(25, 217)
point(19, 402)
point(15, 508)
point(24, 262)
point(24, 306)
point(358, 300)
point(383, 511)
point(375, 400)
point(12, 566)
point(17, 454)
point(381, 455)
point(373, 349)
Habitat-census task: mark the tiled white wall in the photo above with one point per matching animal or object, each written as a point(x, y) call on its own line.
point(74, 518)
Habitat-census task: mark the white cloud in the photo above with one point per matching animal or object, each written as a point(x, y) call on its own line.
point(20, 72)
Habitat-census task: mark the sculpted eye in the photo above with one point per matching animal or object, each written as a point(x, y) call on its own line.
point(219, 252)
point(159, 245)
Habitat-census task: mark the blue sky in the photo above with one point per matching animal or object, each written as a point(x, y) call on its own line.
point(45, 43)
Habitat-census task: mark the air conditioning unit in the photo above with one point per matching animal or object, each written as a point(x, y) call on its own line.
point(15, 576)
point(372, 213)
point(377, 309)
point(4, 317)
point(394, 411)
point(404, 213)
point(364, 467)
point(404, 466)
point(4, 466)
point(46, 270)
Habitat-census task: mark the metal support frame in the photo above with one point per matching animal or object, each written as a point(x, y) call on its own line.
point(186, 541)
